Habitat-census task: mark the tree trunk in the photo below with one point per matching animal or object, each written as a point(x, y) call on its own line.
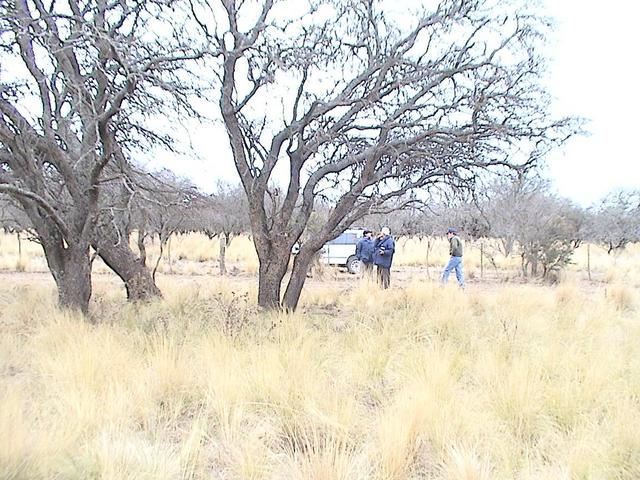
point(141, 247)
point(297, 279)
point(71, 270)
point(19, 248)
point(223, 254)
point(155, 268)
point(271, 273)
point(137, 279)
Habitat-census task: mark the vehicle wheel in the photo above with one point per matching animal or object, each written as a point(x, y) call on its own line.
point(353, 264)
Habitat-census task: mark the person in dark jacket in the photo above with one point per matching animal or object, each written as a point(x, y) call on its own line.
point(383, 256)
point(364, 252)
point(455, 262)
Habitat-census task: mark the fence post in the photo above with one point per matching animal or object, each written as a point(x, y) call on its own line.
point(589, 260)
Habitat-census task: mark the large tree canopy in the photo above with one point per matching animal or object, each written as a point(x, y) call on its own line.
point(363, 101)
point(79, 84)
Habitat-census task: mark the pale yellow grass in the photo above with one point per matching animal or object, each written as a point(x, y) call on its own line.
point(192, 253)
point(523, 382)
point(20, 256)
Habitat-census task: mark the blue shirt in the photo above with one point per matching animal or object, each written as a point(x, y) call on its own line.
point(365, 250)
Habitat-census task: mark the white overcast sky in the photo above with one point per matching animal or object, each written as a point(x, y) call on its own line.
point(594, 74)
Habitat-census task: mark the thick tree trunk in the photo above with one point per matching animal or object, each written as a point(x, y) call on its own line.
point(137, 279)
point(297, 279)
point(71, 270)
point(271, 273)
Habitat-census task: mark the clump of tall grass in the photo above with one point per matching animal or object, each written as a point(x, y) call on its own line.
point(418, 381)
point(621, 297)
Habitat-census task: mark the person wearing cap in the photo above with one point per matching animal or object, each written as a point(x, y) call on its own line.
point(364, 252)
point(384, 246)
point(455, 262)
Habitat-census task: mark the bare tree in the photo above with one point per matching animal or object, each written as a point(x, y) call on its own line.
point(84, 78)
point(226, 216)
point(615, 221)
point(362, 105)
point(499, 208)
point(114, 227)
point(111, 239)
point(162, 206)
point(528, 218)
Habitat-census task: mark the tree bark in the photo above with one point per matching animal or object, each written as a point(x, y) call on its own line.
point(71, 270)
point(137, 279)
point(297, 280)
point(141, 247)
point(271, 273)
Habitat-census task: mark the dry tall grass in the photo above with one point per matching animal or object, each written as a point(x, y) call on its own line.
point(523, 382)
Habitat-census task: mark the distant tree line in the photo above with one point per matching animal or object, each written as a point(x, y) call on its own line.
point(526, 218)
point(521, 215)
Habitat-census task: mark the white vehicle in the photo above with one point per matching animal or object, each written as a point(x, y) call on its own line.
point(341, 251)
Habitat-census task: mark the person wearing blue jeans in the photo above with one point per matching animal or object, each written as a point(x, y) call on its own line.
point(455, 262)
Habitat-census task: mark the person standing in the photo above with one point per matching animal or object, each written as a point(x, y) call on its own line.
point(364, 252)
point(384, 246)
point(455, 262)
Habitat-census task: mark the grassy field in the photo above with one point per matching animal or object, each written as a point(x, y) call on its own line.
point(501, 381)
